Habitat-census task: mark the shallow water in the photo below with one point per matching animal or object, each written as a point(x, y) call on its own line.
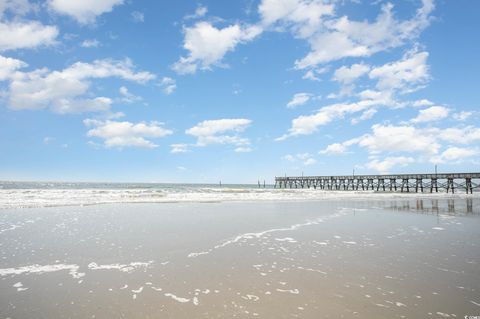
point(389, 258)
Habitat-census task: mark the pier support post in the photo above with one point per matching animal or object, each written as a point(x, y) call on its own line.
point(450, 185)
point(468, 185)
point(434, 184)
point(419, 185)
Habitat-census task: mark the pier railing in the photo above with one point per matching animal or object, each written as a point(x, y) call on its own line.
point(392, 182)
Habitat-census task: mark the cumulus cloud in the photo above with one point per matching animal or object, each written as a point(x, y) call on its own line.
point(138, 16)
point(178, 148)
point(334, 149)
point(90, 43)
point(404, 75)
point(26, 35)
point(207, 45)
point(427, 144)
point(309, 124)
point(168, 85)
point(17, 7)
point(223, 131)
point(384, 166)
point(347, 75)
point(341, 37)
point(243, 149)
point(458, 135)
point(85, 11)
point(67, 91)
point(460, 116)
point(422, 102)
point(366, 115)
point(305, 158)
point(19, 33)
point(8, 66)
point(303, 17)
point(389, 138)
point(128, 97)
point(299, 99)
point(455, 154)
point(126, 134)
point(431, 114)
point(200, 12)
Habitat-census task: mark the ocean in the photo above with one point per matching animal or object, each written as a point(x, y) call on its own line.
point(47, 194)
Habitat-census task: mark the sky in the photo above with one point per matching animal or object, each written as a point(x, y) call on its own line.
point(237, 91)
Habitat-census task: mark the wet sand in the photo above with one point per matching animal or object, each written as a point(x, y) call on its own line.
point(326, 259)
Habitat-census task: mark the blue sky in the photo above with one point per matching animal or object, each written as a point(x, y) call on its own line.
point(186, 91)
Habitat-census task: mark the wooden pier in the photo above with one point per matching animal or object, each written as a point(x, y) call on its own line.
point(450, 182)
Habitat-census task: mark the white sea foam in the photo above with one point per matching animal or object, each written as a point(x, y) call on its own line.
point(261, 234)
point(292, 291)
point(72, 268)
point(40, 269)
point(137, 291)
point(121, 267)
point(41, 197)
point(176, 298)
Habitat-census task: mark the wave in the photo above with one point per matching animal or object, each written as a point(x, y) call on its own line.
point(46, 197)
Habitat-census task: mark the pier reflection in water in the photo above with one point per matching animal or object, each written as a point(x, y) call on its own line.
point(457, 206)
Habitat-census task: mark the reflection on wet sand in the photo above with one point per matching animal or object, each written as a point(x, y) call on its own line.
point(461, 206)
point(400, 258)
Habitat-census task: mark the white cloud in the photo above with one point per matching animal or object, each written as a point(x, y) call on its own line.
point(243, 149)
point(215, 132)
point(200, 12)
point(404, 75)
point(17, 7)
point(68, 90)
point(334, 149)
point(85, 11)
point(47, 140)
point(138, 16)
point(168, 85)
point(423, 102)
point(384, 166)
point(309, 124)
point(26, 35)
point(178, 148)
point(299, 99)
point(455, 154)
point(425, 143)
point(366, 115)
point(207, 45)
point(340, 37)
point(347, 75)
point(8, 66)
point(126, 134)
point(431, 114)
point(128, 97)
point(460, 116)
point(306, 158)
point(464, 135)
point(90, 43)
point(303, 17)
point(389, 138)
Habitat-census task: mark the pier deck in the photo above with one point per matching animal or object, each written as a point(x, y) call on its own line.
point(392, 182)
